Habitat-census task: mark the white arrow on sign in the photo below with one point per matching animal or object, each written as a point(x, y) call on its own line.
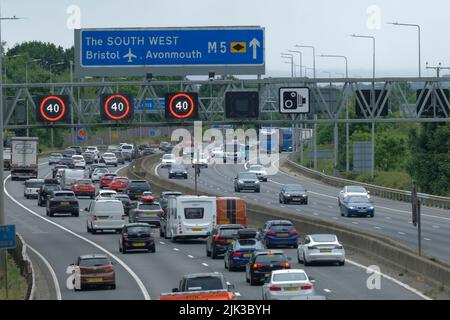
point(255, 44)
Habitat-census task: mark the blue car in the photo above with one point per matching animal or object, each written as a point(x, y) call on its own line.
point(357, 206)
point(279, 233)
point(239, 253)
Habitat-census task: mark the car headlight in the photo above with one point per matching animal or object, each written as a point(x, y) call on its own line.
point(371, 208)
point(288, 195)
point(257, 181)
point(240, 181)
point(351, 207)
point(304, 195)
point(185, 172)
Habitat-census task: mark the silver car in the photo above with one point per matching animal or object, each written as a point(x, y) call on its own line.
point(321, 248)
point(287, 284)
point(246, 181)
point(98, 174)
point(259, 170)
point(32, 187)
point(54, 158)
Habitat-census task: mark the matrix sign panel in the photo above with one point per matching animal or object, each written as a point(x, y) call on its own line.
point(241, 104)
point(53, 108)
point(169, 51)
point(181, 105)
point(294, 100)
point(116, 107)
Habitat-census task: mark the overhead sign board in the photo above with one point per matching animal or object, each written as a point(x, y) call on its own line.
point(169, 51)
point(7, 236)
point(294, 100)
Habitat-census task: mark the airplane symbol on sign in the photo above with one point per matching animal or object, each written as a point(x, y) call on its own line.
point(130, 56)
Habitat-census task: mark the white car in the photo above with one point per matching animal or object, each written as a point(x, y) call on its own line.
point(259, 170)
point(93, 149)
point(321, 248)
point(32, 187)
point(98, 174)
point(202, 159)
point(79, 161)
point(352, 191)
point(217, 152)
point(106, 195)
point(287, 284)
point(109, 158)
point(167, 160)
point(127, 151)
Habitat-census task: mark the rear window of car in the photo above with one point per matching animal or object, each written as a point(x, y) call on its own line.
point(33, 184)
point(229, 232)
point(84, 182)
point(140, 229)
point(281, 227)
point(247, 242)
point(324, 238)
point(52, 187)
point(64, 195)
point(193, 213)
point(127, 147)
point(94, 262)
point(139, 184)
point(101, 170)
point(149, 206)
point(204, 283)
point(122, 198)
point(121, 180)
point(270, 258)
point(298, 276)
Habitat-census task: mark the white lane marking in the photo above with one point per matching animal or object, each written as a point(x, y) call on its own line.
point(298, 210)
point(427, 239)
point(123, 264)
point(162, 242)
point(401, 233)
point(205, 264)
point(327, 290)
point(354, 222)
point(403, 285)
point(315, 213)
point(376, 227)
point(192, 257)
point(52, 272)
point(156, 170)
point(335, 218)
point(176, 249)
point(237, 294)
point(389, 218)
point(436, 227)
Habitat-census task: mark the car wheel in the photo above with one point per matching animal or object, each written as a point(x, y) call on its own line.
point(208, 253)
point(279, 200)
point(230, 267)
point(341, 263)
point(214, 254)
point(246, 278)
point(153, 249)
point(295, 246)
point(258, 190)
point(306, 202)
point(225, 264)
point(372, 215)
point(161, 233)
point(253, 282)
point(298, 258)
point(304, 261)
point(76, 214)
point(113, 286)
point(93, 231)
point(124, 249)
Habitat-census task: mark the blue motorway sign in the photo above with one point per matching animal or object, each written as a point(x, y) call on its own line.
point(8, 236)
point(171, 51)
point(150, 104)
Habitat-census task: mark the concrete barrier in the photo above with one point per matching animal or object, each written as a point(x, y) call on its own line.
point(22, 260)
point(388, 193)
point(379, 249)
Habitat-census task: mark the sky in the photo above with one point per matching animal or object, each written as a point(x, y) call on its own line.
point(325, 24)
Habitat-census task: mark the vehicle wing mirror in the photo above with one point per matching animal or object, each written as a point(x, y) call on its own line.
point(312, 279)
point(230, 286)
point(175, 290)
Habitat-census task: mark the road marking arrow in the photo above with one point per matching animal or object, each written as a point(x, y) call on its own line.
point(254, 44)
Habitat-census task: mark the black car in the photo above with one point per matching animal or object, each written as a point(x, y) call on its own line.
point(69, 152)
point(69, 162)
point(78, 149)
point(220, 238)
point(178, 170)
point(135, 188)
point(136, 236)
point(47, 190)
point(293, 193)
point(56, 168)
point(262, 263)
point(63, 202)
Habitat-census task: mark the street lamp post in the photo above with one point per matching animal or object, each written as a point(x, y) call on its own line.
point(337, 56)
point(51, 74)
point(291, 57)
point(301, 60)
point(9, 58)
point(3, 263)
point(314, 56)
point(419, 32)
point(26, 81)
point(372, 102)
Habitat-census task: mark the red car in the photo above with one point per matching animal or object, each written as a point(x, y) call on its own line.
point(119, 183)
point(84, 187)
point(106, 180)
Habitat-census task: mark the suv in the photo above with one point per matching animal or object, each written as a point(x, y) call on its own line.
point(50, 186)
point(262, 263)
point(147, 212)
point(246, 181)
point(203, 282)
point(77, 149)
point(135, 188)
point(93, 270)
point(127, 151)
point(119, 156)
point(136, 236)
point(221, 236)
point(63, 202)
point(279, 232)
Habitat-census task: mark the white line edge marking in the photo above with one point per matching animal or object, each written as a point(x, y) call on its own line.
point(401, 284)
point(192, 257)
point(176, 249)
point(52, 272)
point(156, 169)
point(327, 290)
point(205, 264)
point(123, 264)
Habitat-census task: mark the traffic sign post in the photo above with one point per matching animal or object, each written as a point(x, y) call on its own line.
point(169, 51)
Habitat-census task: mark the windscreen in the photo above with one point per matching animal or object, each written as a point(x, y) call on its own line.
point(356, 189)
point(94, 262)
point(298, 276)
point(324, 238)
point(296, 188)
point(204, 283)
point(358, 199)
point(75, 174)
point(139, 229)
point(247, 175)
point(193, 213)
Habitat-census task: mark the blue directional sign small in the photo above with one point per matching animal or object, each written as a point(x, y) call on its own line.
point(7, 236)
point(170, 51)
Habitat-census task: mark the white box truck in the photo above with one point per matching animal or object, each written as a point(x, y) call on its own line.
point(24, 157)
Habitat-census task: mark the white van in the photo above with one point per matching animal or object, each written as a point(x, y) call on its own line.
point(105, 215)
point(189, 217)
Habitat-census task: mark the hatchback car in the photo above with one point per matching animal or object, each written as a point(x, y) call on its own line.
point(262, 263)
point(119, 183)
point(279, 233)
point(147, 212)
point(293, 193)
point(84, 188)
point(99, 173)
point(321, 248)
point(79, 161)
point(106, 180)
point(178, 170)
point(167, 160)
point(109, 159)
point(54, 158)
point(136, 188)
point(246, 181)
point(119, 156)
point(136, 236)
point(32, 187)
point(95, 166)
point(357, 206)
point(259, 170)
point(240, 251)
point(62, 202)
point(67, 161)
point(56, 168)
point(93, 270)
point(287, 284)
point(89, 157)
point(220, 238)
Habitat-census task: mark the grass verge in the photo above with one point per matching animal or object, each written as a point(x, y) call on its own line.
point(17, 285)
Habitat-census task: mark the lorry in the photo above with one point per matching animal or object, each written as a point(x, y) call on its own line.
point(267, 140)
point(24, 157)
point(201, 286)
point(7, 158)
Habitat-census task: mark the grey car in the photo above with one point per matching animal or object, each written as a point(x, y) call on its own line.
point(246, 181)
point(120, 157)
point(178, 170)
point(293, 193)
point(54, 158)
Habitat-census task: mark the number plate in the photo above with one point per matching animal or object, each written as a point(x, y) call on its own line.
point(139, 244)
point(282, 234)
point(197, 229)
point(291, 289)
point(325, 250)
point(229, 241)
point(296, 199)
point(150, 215)
point(64, 203)
point(95, 280)
point(247, 255)
point(102, 218)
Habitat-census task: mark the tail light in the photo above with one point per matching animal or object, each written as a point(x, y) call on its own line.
point(108, 267)
point(285, 265)
point(123, 217)
point(161, 213)
point(338, 247)
point(217, 239)
point(138, 211)
point(236, 254)
point(94, 217)
point(257, 266)
point(274, 288)
point(294, 232)
point(270, 232)
point(313, 248)
point(309, 286)
point(180, 231)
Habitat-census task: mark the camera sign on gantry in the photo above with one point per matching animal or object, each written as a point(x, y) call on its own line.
point(294, 100)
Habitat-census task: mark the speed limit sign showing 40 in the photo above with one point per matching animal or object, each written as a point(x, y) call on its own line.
point(181, 105)
point(116, 107)
point(53, 108)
